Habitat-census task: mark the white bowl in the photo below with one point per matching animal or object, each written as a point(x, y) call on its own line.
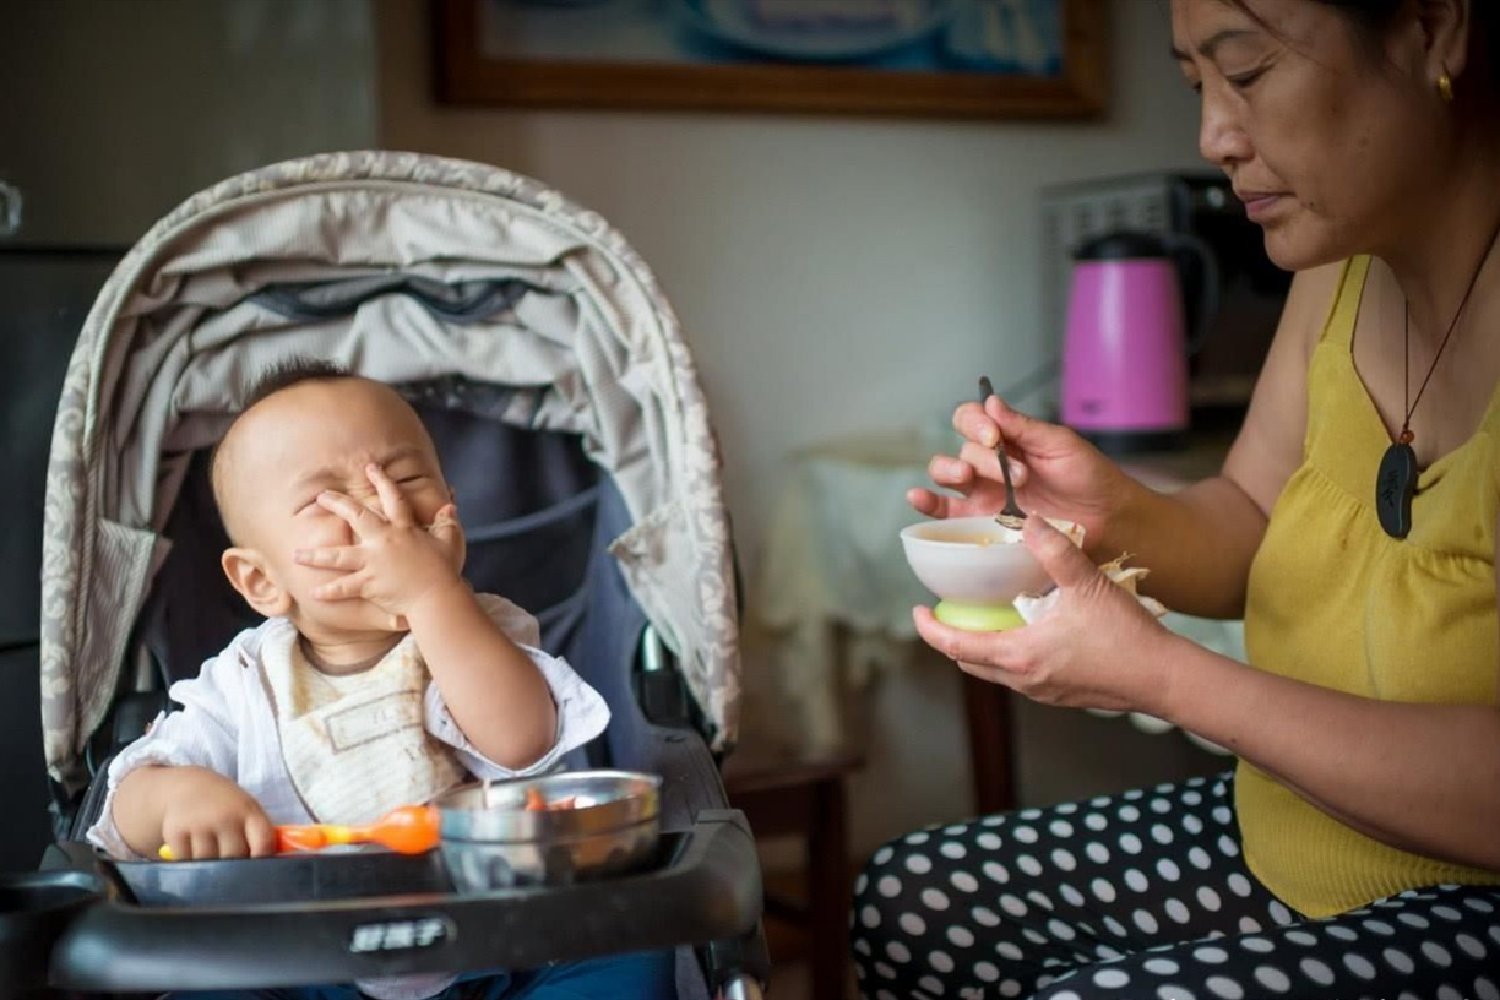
point(976, 561)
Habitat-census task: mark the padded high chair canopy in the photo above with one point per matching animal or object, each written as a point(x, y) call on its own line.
point(406, 269)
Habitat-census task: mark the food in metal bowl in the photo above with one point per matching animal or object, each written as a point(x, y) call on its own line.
point(552, 830)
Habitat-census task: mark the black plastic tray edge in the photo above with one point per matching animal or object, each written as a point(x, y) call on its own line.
point(265, 881)
point(713, 885)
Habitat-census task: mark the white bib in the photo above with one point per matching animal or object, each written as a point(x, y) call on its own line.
point(356, 746)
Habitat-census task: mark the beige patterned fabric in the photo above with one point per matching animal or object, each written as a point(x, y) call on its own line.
point(172, 339)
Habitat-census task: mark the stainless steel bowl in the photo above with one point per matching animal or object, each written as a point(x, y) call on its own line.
point(494, 842)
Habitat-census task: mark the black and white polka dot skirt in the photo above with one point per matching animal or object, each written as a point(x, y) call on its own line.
point(1145, 896)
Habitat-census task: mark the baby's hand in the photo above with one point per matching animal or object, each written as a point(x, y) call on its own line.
point(394, 562)
point(208, 816)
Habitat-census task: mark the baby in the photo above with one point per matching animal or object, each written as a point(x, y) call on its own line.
point(378, 679)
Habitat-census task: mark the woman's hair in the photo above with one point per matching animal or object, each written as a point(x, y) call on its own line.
point(1373, 17)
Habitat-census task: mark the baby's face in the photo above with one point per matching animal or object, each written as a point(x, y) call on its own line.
point(313, 437)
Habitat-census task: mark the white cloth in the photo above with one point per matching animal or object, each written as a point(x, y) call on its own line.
point(1224, 638)
point(833, 594)
point(1034, 607)
point(228, 724)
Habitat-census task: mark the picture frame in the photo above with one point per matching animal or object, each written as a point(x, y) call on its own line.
point(481, 59)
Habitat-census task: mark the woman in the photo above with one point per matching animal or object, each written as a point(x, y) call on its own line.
point(1356, 849)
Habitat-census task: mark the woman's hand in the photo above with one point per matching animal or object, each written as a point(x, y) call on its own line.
point(1055, 471)
point(1096, 648)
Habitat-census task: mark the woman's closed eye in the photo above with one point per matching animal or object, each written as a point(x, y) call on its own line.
point(1241, 81)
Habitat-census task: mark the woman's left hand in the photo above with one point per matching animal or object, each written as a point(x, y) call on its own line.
point(1096, 648)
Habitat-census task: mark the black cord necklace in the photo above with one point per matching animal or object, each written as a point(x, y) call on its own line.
point(1396, 482)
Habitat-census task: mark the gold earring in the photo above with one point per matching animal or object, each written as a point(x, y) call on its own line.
point(1445, 88)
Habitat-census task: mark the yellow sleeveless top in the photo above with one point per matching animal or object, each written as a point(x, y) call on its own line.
point(1335, 601)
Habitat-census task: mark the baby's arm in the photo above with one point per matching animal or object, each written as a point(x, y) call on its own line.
point(494, 691)
point(581, 713)
point(196, 812)
point(175, 785)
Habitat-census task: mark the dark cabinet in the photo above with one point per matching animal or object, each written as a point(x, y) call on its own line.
point(45, 294)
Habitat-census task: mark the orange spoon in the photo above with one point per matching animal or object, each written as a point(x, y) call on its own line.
point(408, 830)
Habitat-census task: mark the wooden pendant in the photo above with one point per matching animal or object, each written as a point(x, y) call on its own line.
point(1395, 485)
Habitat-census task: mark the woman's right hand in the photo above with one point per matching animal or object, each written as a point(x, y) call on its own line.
point(1056, 472)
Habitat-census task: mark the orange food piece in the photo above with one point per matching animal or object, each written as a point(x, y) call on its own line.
point(537, 802)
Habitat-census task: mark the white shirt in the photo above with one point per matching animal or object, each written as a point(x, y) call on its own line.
point(228, 724)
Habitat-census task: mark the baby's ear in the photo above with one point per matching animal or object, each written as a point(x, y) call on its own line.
point(247, 573)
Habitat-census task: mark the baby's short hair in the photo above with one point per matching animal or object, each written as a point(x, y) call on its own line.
point(279, 377)
point(291, 372)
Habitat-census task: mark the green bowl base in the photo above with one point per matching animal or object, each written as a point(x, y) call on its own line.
point(978, 617)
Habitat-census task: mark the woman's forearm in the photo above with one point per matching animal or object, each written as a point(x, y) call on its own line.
point(1422, 778)
point(1198, 544)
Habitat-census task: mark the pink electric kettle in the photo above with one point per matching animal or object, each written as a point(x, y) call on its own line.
point(1126, 345)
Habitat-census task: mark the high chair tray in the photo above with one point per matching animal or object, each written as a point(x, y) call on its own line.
point(703, 887)
point(287, 878)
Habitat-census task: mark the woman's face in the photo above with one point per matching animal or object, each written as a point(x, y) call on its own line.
point(1331, 141)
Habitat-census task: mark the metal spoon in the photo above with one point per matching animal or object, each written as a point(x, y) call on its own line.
point(1011, 515)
